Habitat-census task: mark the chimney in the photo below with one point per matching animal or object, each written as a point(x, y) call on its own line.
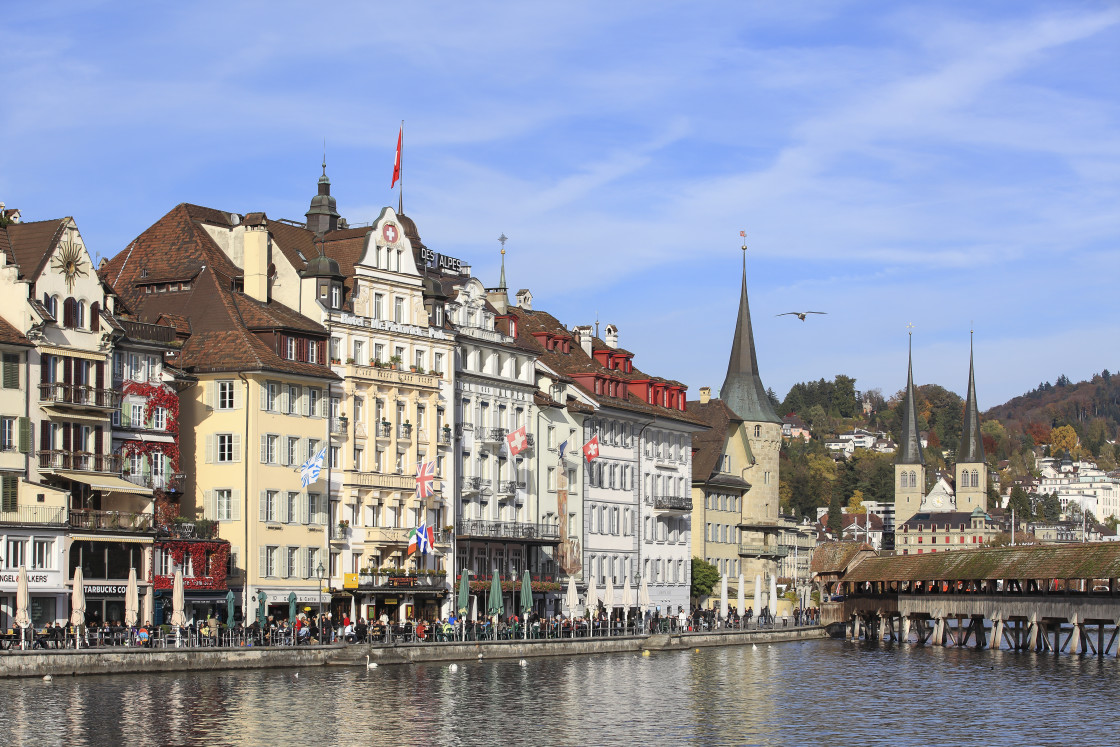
point(525, 299)
point(583, 337)
point(258, 248)
point(610, 336)
point(705, 395)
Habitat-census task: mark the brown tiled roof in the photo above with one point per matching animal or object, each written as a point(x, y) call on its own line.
point(31, 244)
point(222, 323)
point(577, 362)
point(1092, 560)
point(708, 446)
point(834, 557)
point(860, 520)
point(9, 335)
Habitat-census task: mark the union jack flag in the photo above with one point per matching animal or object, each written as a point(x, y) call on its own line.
point(425, 479)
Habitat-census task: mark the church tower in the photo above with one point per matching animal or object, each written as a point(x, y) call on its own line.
point(322, 216)
point(971, 470)
point(744, 393)
point(909, 466)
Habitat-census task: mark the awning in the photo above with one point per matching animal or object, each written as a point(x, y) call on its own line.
point(103, 357)
point(112, 538)
point(69, 416)
point(105, 482)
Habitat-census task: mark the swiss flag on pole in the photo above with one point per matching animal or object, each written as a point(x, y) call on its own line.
point(591, 448)
point(517, 441)
point(397, 162)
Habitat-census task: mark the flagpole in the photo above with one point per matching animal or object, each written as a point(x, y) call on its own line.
point(400, 189)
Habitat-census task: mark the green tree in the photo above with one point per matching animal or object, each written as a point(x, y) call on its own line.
point(1021, 502)
point(835, 520)
point(705, 576)
point(1051, 507)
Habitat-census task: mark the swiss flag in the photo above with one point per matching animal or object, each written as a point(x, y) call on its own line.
point(591, 448)
point(517, 441)
point(397, 162)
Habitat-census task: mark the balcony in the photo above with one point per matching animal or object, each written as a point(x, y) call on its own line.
point(672, 503)
point(509, 488)
point(110, 521)
point(472, 485)
point(35, 515)
point(145, 331)
point(339, 426)
point(78, 395)
point(202, 529)
point(340, 534)
point(492, 435)
point(79, 462)
point(399, 579)
point(762, 551)
point(443, 436)
point(404, 432)
point(513, 530)
point(170, 483)
point(399, 536)
point(383, 431)
point(392, 377)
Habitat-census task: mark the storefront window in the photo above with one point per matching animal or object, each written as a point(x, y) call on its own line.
point(105, 559)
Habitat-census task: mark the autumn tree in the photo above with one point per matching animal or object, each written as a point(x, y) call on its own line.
point(1063, 439)
point(855, 503)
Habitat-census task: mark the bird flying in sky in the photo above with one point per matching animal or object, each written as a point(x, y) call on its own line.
point(801, 314)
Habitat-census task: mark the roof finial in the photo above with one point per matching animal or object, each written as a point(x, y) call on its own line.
point(324, 156)
point(502, 279)
point(596, 323)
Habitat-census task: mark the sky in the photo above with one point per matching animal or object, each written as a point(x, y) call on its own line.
point(951, 166)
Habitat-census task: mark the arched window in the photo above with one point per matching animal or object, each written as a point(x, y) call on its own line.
point(80, 315)
point(975, 479)
point(95, 317)
point(913, 479)
point(964, 478)
point(69, 312)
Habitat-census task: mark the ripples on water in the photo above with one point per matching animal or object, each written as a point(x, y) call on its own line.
point(818, 692)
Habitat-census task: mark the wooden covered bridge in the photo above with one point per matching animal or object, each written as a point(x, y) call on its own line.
point(1042, 598)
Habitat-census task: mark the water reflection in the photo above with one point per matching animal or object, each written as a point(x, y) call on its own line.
point(822, 692)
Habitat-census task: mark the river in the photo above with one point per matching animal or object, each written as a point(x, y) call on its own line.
point(815, 692)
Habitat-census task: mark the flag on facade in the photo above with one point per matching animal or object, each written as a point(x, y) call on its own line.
point(421, 538)
point(309, 470)
point(397, 162)
point(425, 479)
point(563, 447)
point(518, 441)
point(591, 448)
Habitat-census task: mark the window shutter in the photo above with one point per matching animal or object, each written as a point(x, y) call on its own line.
point(283, 512)
point(284, 400)
point(9, 486)
point(11, 371)
point(210, 449)
point(45, 366)
point(301, 505)
point(283, 562)
point(25, 435)
point(283, 448)
point(235, 505)
point(264, 449)
point(211, 395)
point(237, 396)
point(264, 561)
point(237, 447)
point(306, 403)
point(264, 505)
point(264, 396)
point(210, 510)
point(95, 317)
point(303, 553)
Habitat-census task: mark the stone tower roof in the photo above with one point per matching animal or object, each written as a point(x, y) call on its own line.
point(909, 447)
point(742, 390)
point(972, 441)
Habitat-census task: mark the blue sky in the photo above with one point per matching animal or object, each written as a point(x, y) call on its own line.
point(947, 165)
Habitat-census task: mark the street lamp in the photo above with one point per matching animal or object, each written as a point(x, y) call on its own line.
point(319, 575)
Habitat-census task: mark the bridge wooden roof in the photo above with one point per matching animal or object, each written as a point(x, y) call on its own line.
point(1094, 560)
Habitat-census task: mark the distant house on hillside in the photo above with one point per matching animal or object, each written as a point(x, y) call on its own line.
point(794, 427)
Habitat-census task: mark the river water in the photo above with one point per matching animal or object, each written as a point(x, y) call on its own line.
point(815, 692)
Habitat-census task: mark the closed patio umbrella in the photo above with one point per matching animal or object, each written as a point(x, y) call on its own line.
point(758, 596)
point(627, 600)
point(178, 605)
point(608, 600)
point(643, 597)
point(23, 604)
point(464, 602)
point(526, 593)
point(592, 597)
point(571, 599)
point(495, 604)
point(131, 600)
point(291, 608)
point(723, 597)
point(149, 606)
point(78, 606)
point(741, 601)
point(229, 609)
point(262, 607)
point(773, 596)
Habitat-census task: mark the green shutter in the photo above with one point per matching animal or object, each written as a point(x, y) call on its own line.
point(25, 435)
point(9, 487)
point(11, 371)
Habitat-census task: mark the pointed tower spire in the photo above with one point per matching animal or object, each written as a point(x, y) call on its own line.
point(972, 441)
point(910, 447)
point(502, 280)
point(323, 215)
point(742, 389)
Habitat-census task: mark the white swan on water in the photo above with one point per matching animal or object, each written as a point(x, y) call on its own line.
point(454, 667)
point(370, 664)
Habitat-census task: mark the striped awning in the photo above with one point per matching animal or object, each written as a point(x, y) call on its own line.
point(71, 416)
point(103, 357)
point(108, 483)
point(112, 538)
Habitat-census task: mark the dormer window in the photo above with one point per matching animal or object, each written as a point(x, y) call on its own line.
point(336, 296)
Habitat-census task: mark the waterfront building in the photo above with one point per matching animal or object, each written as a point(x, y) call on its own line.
point(944, 531)
point(744, 393)
point(636, 499)
point(259, 403)
point(798, 540)
point(720, 456)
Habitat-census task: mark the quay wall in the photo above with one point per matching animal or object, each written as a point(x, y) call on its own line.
point(138, 660)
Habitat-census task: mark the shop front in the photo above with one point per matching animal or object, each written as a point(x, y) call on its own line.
point(418, 596)
point(105, 562)
point(47, 596)
point(277, 605)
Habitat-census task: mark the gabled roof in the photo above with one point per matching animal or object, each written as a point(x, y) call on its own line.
point(708, 446)
point(9, 335)
point(1093, 560)
point(30, 245)
point(835, 557)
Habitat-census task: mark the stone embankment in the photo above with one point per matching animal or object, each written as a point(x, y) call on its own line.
point(136, 660)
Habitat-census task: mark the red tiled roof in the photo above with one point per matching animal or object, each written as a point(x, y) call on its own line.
point(30, 244)
point(9, 335)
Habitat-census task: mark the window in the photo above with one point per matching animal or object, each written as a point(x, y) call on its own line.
point(268, 560)
point(7, 434)
point(290, 348)
point(359, 351)
point(757, 431)
point(336, 296)
point(292, 455)
point(292, 562)
point(223, 502)
point(270, 505)
point(270, 445)
point(294, 394)
point(42, 557)
point(159, 419)
point(378, 305)
point(17, 553)
point(225, 442)
point(336, 348)
point(313, 402)
point(225, 395)
point(437, 366)
point(551, 478)
point(136, 415)
point(398, 310)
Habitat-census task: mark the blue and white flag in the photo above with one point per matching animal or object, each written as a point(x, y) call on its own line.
point(309, 470)
point(563, 447)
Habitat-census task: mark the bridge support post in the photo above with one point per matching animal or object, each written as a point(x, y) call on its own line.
point(939, 629)
point(1032, 633)
point(904, 629)
point(997, 631)
point(1075, 635)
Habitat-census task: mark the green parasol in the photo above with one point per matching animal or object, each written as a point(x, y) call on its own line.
point(229, 609)
point(495, 605)
point(464, 593)
point(526, 593)
point(262, 607)
point(291, 608)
